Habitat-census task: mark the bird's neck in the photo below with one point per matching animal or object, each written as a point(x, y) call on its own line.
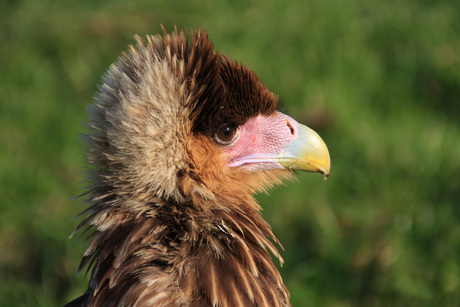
point(176, 252)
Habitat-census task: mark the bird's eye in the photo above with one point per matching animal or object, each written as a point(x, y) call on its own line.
point(226, 134)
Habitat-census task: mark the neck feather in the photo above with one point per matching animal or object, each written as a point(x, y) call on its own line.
point(180, 254)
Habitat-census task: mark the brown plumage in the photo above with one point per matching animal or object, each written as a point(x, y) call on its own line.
point(180, 139)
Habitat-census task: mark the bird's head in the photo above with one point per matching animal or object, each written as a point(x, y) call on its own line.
point(174, 120)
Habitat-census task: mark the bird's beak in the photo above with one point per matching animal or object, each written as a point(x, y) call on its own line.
point(278, 141)
point(307, 152)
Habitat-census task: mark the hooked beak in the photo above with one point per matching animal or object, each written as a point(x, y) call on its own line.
point(278, 141)
point(307, 152)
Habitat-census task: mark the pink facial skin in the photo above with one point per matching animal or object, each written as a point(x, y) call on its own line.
point(261, 139)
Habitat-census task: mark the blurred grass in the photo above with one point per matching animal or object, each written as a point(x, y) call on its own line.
point(379, 80)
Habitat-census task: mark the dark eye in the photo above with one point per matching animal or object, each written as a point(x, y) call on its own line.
point(226, 134)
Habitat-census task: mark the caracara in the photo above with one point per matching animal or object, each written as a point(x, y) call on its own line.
point(180, 139)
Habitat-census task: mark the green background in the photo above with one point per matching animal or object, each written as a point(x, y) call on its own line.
point(379, 81)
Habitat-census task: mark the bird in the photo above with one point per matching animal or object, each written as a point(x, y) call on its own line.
point(180, 138)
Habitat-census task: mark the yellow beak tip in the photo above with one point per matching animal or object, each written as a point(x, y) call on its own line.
point(309, 153)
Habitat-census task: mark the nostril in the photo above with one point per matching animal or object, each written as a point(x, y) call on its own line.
point(291, 128)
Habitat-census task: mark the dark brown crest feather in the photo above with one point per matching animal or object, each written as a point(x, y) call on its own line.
point(245, 96)
point(169, 223)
